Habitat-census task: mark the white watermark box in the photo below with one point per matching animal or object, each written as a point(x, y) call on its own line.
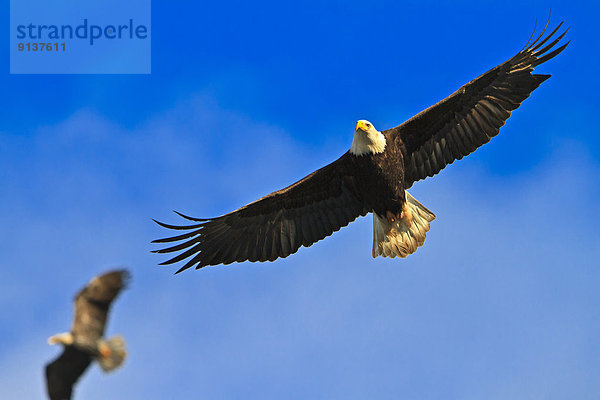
point(82, 37)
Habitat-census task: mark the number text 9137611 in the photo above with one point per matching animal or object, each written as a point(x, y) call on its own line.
point(41, 46)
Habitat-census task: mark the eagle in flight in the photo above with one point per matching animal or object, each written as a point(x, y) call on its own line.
point(373, 176)
point(84, 343)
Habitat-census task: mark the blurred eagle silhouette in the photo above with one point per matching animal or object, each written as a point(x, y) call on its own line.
point(85, 343)
point(372, 176)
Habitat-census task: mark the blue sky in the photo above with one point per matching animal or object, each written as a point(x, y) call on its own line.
point(501, 302)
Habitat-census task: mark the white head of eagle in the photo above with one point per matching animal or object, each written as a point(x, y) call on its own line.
point(367, 139)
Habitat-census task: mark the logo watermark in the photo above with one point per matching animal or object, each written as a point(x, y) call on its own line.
point(84, 31)
point(80, 38)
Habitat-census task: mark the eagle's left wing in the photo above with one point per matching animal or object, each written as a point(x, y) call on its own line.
point(93, 302)
point(471, 116)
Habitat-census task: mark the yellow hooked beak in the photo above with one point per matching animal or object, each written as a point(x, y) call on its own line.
point(362, 125)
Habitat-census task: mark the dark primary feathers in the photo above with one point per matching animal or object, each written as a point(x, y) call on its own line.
point(92, 304)
point(471, 116)
point(63, 372)
point(276, 225)
point(323, 202)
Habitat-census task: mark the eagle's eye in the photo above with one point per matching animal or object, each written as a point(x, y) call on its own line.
point(368, 125)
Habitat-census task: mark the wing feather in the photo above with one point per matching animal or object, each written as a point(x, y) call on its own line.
point(93, 302)
point(470, 117)
point(64, 371)
point(276, 225)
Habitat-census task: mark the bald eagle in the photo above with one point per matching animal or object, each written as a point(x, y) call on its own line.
point(84, 343)
point(373, 176)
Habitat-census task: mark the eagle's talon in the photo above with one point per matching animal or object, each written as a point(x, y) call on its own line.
point(390, 217)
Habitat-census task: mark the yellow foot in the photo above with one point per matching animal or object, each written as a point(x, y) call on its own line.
point(104, 350)
point(391, 217)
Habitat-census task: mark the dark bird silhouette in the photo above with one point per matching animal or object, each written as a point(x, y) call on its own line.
point(372, 176)
point(85, 343)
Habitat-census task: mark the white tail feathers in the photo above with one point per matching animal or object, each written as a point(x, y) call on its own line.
point(404, 235)
point(112, 353)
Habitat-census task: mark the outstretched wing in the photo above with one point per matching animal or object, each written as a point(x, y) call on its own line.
point(93, 302)
point(64, 371)
point(276, 225)
point(471, 116)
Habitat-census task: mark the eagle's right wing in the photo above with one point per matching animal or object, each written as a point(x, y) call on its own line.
point(64, 371)
point(276, 225)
